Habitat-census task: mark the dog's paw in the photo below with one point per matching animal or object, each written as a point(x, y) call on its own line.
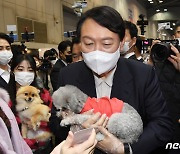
point(64, 122)
point(99, 137)
point(38, 124)
point(35, 126)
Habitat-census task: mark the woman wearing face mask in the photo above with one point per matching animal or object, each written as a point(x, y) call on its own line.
point(5, 57)
point(23, 69)
point(11, 141)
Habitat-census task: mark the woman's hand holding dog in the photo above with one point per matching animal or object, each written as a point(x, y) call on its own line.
point(110, 144)
point(31, 126)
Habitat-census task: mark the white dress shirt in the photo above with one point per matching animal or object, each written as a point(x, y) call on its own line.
point(104, 85)
point(129, 55)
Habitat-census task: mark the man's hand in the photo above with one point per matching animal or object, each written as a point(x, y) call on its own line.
point(110, 144)
point(175, 59)
point(96, 120)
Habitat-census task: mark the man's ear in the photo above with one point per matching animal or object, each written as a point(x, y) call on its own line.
point(122, 44)
point(134, 40)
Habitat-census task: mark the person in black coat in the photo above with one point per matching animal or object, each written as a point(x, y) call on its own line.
point(102, 73)
point(5, 58)
point(130, 47)
point(65, 57)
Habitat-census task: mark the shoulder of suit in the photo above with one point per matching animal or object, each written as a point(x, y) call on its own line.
point(133, 64)
point(76, 65)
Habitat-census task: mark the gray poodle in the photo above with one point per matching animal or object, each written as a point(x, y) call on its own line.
point(126, 125)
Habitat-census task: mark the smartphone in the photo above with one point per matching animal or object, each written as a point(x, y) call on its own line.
point(82, 135)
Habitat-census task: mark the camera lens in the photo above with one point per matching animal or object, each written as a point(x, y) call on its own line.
point(160, 52)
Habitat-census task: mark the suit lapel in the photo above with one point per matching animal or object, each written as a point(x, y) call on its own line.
point(86, 81)
point(3, 83)
point(121, 82)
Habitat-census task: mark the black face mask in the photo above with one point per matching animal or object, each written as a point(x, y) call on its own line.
point(69, 58)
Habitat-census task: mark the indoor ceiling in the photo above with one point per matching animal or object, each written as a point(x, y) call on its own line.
point(158, 4)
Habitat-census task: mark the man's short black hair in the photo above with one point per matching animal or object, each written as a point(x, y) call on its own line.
point(54, 52)
point(63, 45)
point(75, 40)
point(133, 31)
point(5, 37)
point(106, 17)
point(50, 53)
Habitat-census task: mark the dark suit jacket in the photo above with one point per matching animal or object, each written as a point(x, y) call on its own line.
point(3, 84)
point(169, 79)
point(134, 57)
point(54, 75)
point(136, 84)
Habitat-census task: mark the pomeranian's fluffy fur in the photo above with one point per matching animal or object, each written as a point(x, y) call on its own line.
point(70, 100)
point(32, 111)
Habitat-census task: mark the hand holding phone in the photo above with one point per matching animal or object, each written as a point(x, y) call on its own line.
point(82, 135)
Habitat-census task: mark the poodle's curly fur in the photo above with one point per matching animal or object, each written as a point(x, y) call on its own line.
point(70, 100)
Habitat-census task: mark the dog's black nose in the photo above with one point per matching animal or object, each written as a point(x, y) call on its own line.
point(29, 99)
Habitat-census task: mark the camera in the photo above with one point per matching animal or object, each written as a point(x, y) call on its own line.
point(49, 55)
point(45, 66)
point(161, 51)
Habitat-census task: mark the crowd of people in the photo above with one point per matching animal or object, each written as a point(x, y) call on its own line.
point(103, 60)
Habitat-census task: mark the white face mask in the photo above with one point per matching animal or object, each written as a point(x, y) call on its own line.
point(101, 62)
point(5, 57)
point(53, 61)
point(24, 78)
point(125, 48)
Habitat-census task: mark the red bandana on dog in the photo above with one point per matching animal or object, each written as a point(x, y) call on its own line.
point(103, 105)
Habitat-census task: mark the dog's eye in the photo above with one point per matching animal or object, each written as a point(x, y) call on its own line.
point(26, 94)
point(64, 109)
point(32, 95)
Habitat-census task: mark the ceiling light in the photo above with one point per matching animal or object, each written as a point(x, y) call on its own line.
point(173, 24)
point(165, 10)
point(151, 2)
point(157, 10)
point(160, 1)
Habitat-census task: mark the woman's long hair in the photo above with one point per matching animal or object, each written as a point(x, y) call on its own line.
point(12, 83)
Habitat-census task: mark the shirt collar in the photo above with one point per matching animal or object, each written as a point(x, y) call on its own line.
point(108, 80)
point(129, 55)
point(64, 62)
point(2, 71)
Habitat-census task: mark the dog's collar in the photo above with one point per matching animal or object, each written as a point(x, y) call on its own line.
point(24, 109)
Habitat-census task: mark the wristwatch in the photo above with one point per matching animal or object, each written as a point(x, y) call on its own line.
point(126, 148)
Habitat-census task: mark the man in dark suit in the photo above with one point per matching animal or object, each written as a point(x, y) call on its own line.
point(103, 73)
point(5, 57)
point(129, 49)
point(65, 57)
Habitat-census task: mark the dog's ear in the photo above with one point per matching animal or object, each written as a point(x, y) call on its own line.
point(38, 91)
